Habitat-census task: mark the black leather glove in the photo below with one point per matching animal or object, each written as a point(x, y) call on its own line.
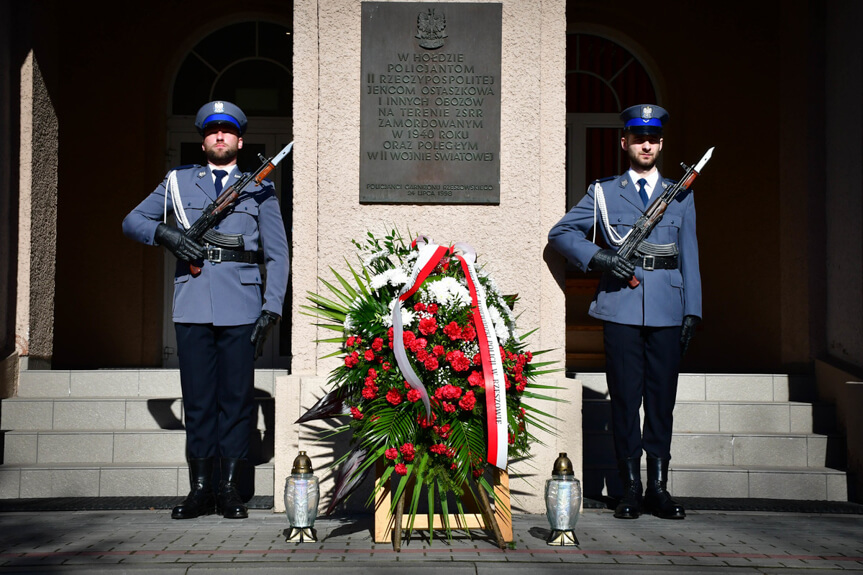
point(687, 331)
point(609, 261)
point(176, 241)
point(262, 328)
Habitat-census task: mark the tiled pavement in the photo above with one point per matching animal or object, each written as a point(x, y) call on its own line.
point(706, 542)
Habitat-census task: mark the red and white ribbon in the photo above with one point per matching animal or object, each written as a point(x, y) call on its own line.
point(492, 364)
point(429, 256)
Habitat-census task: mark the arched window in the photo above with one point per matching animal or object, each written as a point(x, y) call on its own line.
point(602, 78)
point(248, 63)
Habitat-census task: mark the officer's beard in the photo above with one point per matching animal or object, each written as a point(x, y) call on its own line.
point(227, 155)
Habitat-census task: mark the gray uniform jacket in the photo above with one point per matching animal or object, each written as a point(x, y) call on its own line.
point(227, 293)
point(664, 296)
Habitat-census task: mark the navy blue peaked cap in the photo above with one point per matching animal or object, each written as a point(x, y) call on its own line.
point(220, 112)
point(644, 119)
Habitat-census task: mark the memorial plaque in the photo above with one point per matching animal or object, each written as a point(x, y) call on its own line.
point(430, 104)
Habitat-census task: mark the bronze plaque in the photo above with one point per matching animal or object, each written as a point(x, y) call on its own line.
point(430, 104)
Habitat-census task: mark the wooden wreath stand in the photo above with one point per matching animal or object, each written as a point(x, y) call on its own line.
point(498, 521)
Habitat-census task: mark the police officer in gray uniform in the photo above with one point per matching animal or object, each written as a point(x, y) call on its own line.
point(647, 328)
point(220, 314)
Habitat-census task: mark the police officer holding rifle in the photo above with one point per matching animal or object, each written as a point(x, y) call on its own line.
point(220, 313)
point(649, 297)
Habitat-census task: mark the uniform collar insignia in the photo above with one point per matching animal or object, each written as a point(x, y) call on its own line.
point(624, 181)
point(202, 173)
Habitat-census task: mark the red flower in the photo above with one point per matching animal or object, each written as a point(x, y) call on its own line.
point(428, 326)
point(408, 452)
point(378, 344)
point(448, 407)
point(458, 361)
point(432, 308)
point(520, 387)
point(431, 363)
point(394, 397)
point(369, 355)
point(392, 453)
point(452, 330)
point(422, 355)
point(438, 448)
point(438, 350)
point(443, 431)
point(372, 373)
point(414, 396)
point(369, 392)
point(350, 341)
point(386, 366)
point(425, 423)
point(448, 392)
point(477, 359)
point(408, 337)
point(476, 378)
point(529, 356)
point(467, 402)
point(477, 473)
point(511, 438)
point(419, 306)
point(356, 413)
point(468, 333)
point(352, 360)
point(401, 469)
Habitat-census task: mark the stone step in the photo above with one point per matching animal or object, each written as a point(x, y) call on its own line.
point(777, 450)
point(718, 387)
point(108, 480)
point(806, 483)
point(96, 447)
point(117, 383)
point(729, 417)
point(106, 413)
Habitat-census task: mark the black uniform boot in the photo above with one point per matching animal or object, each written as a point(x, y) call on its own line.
point(230, 504)
point(630, 503)
point(656, 499)
point(200, 500)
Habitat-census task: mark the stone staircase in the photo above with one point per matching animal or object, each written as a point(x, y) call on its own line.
point(735, 436)
point(110, 433)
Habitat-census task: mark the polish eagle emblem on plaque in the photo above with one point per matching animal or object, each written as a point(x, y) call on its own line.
point(431, 29)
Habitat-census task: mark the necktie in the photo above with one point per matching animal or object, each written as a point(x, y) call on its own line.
point(641, 192)
point(220, 174)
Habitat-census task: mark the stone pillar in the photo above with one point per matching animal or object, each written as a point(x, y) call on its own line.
point(510, 238)
point(37, 220)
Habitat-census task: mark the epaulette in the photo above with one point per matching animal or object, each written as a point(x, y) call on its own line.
point(185, 167)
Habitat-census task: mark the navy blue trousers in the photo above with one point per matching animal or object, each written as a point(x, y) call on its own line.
point(217, 375)
point(642, 365)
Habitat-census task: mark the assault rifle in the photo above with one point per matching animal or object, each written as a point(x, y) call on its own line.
point(655, 211)
point(214, 212)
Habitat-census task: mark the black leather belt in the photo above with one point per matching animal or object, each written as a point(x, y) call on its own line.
point(219, 255)
point(650, 263)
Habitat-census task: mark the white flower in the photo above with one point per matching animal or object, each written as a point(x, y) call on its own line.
point(408, 316)
point(372, 256)
point(501, 329)
point(448, 291)
point(381, 279)
point(348, 324)
point(398, 277)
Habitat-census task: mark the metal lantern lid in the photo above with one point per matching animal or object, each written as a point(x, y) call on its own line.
point(563, 466)
point(302, 464)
